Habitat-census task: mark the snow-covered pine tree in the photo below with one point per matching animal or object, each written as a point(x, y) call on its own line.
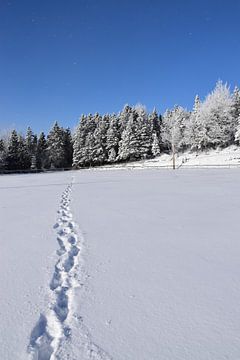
point(136, 137)
point(12, 152)
point(24, 157)
point(125, 129)
point(31, 144)
point(155, 145)
point(89, 146)
point(237, 133)
point(156, 128)
point(79, 142)
point(236, 102)
point(68, 147)
point(194, 128)
point(83, 145)
point(216, 121)
point(30, 141)
point(2, 154)
point(143, 133)
point(89, 150)
point(123, 118)
point(112, 140)
point(99, 155)
point(41, 153)
point(124, 143)
point(155, 120)
point(55, 146)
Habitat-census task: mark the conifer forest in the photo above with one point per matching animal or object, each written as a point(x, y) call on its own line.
point(132, 134)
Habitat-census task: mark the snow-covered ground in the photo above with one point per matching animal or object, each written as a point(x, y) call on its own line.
point(228, 157)
point(123, 265)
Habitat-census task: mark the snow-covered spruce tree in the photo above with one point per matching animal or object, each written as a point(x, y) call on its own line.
point(174, 127)
point(156, 129)
point(30, 141)
point(89, 147)
point(194, 128)
point(68, 147)
point(155, 122)
point(55, 146)
point(31, 144)
point(125, 130)
point(136, 137)
point(123, 118)
point(112, 140)
point(24, 157)
point(236, 103)
point(2, 154)
point(12, 152)
point(79, 142)
point(144, 133)
point(155, 145)
point(123, 151)
point(99, 154)
point(89, 150)
point(216, 123)
point(41, 153)
point(83, 146)
point(237, 133)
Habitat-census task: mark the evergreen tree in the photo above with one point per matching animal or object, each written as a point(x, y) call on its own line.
point(41, 153)
point(143, 133)
point(136, 137)
point(84, 141)
point(2, 154)
point(236, 103)
point(24, 158)
point(55, 147)
point(30, 143)
point(123, 118)
point(112, 139)
point(123, 152)
point(155, 145)
point(237, 133)
point(68, 147)
point(193, 130)
point(12, 152)
point(99, 155)
point(79, 142)
point(155, 121)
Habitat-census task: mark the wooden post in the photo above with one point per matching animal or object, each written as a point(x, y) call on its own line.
point(173, 155)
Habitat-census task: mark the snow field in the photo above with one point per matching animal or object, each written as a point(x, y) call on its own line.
point(53, 326)
point(136, 265)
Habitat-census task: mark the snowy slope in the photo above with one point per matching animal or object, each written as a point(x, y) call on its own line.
point(120, 265)
point(228, 157)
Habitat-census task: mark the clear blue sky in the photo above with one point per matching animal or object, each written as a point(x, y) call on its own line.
point(62, 58)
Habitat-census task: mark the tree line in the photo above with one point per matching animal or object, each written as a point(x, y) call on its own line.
point(19, 152)
point(132, 134)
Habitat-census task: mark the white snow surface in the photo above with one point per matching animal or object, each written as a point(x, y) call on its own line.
point(140, 265)
point(227, 157)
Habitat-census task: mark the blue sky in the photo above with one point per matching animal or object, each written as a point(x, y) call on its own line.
point(62, 58)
